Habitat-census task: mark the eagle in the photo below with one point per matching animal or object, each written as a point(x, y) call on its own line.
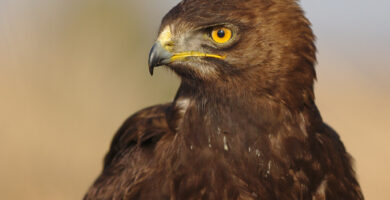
point(243, 125)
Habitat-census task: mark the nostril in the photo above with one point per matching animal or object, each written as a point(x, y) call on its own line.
point(170, 44)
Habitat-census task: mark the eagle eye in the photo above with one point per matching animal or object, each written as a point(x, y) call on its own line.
point(221, 35)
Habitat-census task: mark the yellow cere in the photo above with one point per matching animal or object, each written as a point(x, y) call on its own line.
point(165, 37)
point(221, 35)
point(183, 55)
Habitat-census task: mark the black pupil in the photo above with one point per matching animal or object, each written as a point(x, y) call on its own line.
point(221, 33)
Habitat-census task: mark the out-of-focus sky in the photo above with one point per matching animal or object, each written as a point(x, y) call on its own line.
point(72, 70)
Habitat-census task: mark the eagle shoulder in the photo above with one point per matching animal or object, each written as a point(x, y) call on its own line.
point(130, 152)
point(143, 129)
point(339, 180)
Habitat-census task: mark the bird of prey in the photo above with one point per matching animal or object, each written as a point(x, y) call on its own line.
point(244, 124)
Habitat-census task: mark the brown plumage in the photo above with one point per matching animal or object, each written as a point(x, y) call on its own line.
point(243, 125)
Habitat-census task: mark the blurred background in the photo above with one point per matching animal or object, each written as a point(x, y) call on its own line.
point(71, 71)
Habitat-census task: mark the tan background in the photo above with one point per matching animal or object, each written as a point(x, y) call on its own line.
point(71, 71)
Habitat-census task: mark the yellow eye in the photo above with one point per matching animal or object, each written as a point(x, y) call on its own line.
point(221, 35)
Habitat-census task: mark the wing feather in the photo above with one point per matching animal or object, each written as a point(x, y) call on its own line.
point(130, 153)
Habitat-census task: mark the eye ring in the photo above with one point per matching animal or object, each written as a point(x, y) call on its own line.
point(221, 35)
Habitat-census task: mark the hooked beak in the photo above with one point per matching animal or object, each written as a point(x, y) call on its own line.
point(158, 56)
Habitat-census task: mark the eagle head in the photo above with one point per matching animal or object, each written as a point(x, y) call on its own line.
point(265, 44)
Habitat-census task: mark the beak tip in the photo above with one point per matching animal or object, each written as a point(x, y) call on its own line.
point(151, 69)
point(158, 56)
point(153, 59)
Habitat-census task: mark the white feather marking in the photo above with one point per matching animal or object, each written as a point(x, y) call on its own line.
point(218, 131)
point(258, 154)
point(182, 105)
point(321, 190)
point(269, 168)
point(225, 145)
point(302, 125)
